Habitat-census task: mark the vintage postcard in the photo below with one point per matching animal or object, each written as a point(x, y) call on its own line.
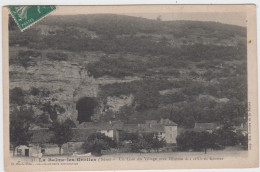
point(131, 88)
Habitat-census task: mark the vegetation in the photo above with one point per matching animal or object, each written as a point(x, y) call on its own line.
point(52, 110)
point(196, 77)
point(97, 142)
point(56, 56)
point(17, 96)
point(144, 141)
point(62, 133)
point(20, 120)
point(196, 141)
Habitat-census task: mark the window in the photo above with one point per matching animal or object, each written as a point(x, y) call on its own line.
point(19, 151)
point(42, 151)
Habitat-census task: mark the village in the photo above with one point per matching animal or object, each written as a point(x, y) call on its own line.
point(90, 89)
point(165, 130)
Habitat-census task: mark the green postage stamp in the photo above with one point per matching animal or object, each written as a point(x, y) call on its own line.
point(25, 16)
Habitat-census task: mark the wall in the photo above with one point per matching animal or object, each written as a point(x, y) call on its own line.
point(108, 133)
point(170, 134)
point(71, 147)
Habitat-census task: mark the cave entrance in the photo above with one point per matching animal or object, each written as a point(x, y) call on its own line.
point(86, 107)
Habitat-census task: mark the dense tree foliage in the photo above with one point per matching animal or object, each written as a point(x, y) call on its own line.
point(62, 133)
point(145, 141)
point(97, 142)
point(20, 120)
point(52, 109)
point(17, 96)
point(218, 139)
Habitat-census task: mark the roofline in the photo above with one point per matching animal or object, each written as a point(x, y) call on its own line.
point(170, 124)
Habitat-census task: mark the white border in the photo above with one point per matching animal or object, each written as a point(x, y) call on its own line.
point(120, 2)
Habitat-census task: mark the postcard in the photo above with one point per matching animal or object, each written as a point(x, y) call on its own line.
point(130, 87)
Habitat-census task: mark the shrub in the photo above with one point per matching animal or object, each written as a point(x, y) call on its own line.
point(35, 91)
point(196, 141)
point(97, 142)
point(17, 96)
point(57, 56)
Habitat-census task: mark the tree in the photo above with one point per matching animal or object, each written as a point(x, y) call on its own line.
point(125, 112)
point(62, 133)
point(196, 141)
point(226, 136)
point(146, 97)
point(129, 136)
point(42, 120)
point(139, 145)
point(243, 140)
point(68, 122)
point(17, 96)
point(97, 142)
point(206, 140)
point(20, 120)
point(52, 110)
point(35, 91)
point(158, 143)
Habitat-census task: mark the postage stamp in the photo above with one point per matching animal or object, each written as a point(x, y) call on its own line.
point(25, 16)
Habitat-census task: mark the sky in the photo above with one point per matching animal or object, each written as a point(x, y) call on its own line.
point(227, 18)
point(234, 18)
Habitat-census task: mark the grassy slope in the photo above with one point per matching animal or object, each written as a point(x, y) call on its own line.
point(215, 70)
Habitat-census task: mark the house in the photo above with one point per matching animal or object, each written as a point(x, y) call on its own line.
point(24, 150)
point(242, 128)
point(171, 132)
point(39, 145)
point(111, 129)
point(209, 127)
point(41, 142)
point(164, 129)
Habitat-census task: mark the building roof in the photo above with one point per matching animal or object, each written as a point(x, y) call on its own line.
point(44, 135)
point(102, 125)
point(167, 122)
point(84, 130)
point(206, 126)
point(143, 128)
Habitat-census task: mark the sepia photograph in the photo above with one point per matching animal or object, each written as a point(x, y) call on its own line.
point(90, 86)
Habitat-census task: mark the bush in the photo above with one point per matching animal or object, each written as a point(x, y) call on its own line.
point(52, 110)
point(129, 136)
point(17, 96)
point(57, 56)
point(97, 142)
point(25, 58)
point(243, 140)
point(196, 141)
point(147, 141)
point(226, 137)
point(35, 91)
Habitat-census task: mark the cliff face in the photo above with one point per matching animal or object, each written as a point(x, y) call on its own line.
point(67, 81)
point(148, 68)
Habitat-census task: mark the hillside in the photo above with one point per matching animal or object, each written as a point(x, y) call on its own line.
point(129, 68)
